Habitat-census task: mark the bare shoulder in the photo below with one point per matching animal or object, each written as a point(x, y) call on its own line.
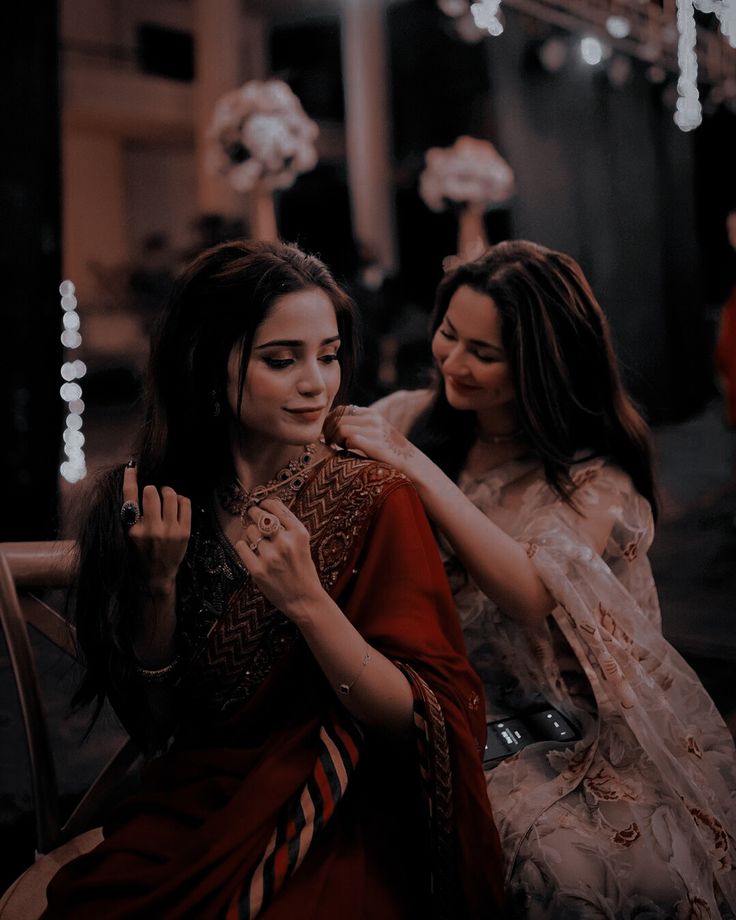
point(403, 407)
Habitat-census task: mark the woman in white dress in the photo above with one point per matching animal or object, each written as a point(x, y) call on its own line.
point(536, 470)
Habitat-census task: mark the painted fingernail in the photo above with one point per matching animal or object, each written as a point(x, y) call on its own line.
point(131, 464)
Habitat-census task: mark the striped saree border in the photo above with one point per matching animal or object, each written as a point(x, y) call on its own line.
point(304, 819)
point(435, 772)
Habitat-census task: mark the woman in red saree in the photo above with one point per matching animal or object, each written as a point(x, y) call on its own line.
point(291, 647)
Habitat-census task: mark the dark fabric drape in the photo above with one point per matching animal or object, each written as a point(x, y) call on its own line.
point(604, 174)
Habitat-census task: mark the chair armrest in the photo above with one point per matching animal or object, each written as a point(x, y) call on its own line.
point(48, 563)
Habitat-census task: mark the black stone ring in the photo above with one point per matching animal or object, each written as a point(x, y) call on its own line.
point(130, 513)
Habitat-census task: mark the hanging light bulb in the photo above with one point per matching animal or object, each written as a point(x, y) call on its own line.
point(618, 26)
point(74, 468)
point(688, 113)
point(619, 71)
point(725, 13)
point(656, 74)
point(485, 14)
point(591, 50)
point(553, 54)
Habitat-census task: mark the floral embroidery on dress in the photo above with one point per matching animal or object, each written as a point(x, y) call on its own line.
point(604, 785)
point(570, 762)
point(627, 836)
point(611, 628)
point(693, 747)
point(693, 909)
point(631, 551)
point(456, 573)
point(719, 846)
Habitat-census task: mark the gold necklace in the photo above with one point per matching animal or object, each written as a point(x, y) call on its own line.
point(236, 499)
point(500, 438)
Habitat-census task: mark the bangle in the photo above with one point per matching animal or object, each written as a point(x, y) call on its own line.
point(157, 675)
point(346, 688)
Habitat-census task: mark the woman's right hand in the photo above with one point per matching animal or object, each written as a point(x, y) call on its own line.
point(364, 429)
point(161, 533)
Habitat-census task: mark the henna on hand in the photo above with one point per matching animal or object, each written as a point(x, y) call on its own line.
point(397, 443)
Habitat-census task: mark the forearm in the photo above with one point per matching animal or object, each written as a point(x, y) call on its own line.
point(156, 660)
point(379, 695)
point(498, 564)
point(154, 640)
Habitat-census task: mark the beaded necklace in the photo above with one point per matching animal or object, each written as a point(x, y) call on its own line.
point(236, 499)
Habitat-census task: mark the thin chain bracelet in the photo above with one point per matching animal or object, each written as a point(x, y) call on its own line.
point(346, 688)
point(157, 675)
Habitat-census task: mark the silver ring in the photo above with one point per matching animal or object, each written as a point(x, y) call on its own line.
point(130, 513)
point(253, 547)
point(269, 524)
point(352, 409)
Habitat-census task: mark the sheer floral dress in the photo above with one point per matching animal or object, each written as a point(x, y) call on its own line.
point(637, 819)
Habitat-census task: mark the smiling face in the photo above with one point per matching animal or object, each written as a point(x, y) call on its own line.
point(468, 349)
point(293, 373)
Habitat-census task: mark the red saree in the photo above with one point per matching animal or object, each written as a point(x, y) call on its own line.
point(272, 801)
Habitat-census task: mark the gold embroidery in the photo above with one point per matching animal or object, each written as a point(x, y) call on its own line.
point(237, 635)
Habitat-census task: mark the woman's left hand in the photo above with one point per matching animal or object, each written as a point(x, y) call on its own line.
point(364, 429)
point(276, 552)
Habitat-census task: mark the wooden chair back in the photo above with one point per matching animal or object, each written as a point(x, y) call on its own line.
point(25, 568)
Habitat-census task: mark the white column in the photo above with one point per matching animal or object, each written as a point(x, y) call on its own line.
point(368, 126)
point(218, 26)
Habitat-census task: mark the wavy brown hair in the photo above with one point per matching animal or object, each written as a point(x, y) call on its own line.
point(569, 393)
point(216, 304)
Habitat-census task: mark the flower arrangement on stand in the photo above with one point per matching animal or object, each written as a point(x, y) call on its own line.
point(261, 139)
point(472, 177)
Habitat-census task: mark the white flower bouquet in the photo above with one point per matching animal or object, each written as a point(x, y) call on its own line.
point(260, 136)
point(471, 172)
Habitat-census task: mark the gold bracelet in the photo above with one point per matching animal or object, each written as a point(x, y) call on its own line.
point(346, 688)
point(157, 675)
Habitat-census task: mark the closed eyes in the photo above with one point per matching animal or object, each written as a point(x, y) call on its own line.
point(486, 359)
point(282, 363)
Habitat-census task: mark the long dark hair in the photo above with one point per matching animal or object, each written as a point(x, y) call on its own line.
point(558, 345)
point(216, 304)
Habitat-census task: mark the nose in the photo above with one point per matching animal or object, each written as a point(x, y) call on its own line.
point(455, 363)
point(311, 381)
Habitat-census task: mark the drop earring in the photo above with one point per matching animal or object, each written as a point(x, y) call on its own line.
point(215, 404)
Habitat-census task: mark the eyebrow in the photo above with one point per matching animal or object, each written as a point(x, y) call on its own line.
point(294, 343)
point(477, 342)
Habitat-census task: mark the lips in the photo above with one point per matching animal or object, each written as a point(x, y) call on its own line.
point(462, 387)
point(307, 413)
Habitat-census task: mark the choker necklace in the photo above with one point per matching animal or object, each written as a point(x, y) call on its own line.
point(500, 438)
point(236, 499)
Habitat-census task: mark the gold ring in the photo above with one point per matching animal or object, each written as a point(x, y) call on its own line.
point(269, 524)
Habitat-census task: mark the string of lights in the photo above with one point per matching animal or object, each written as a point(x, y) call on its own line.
point(662, 33)
point(74, 468)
